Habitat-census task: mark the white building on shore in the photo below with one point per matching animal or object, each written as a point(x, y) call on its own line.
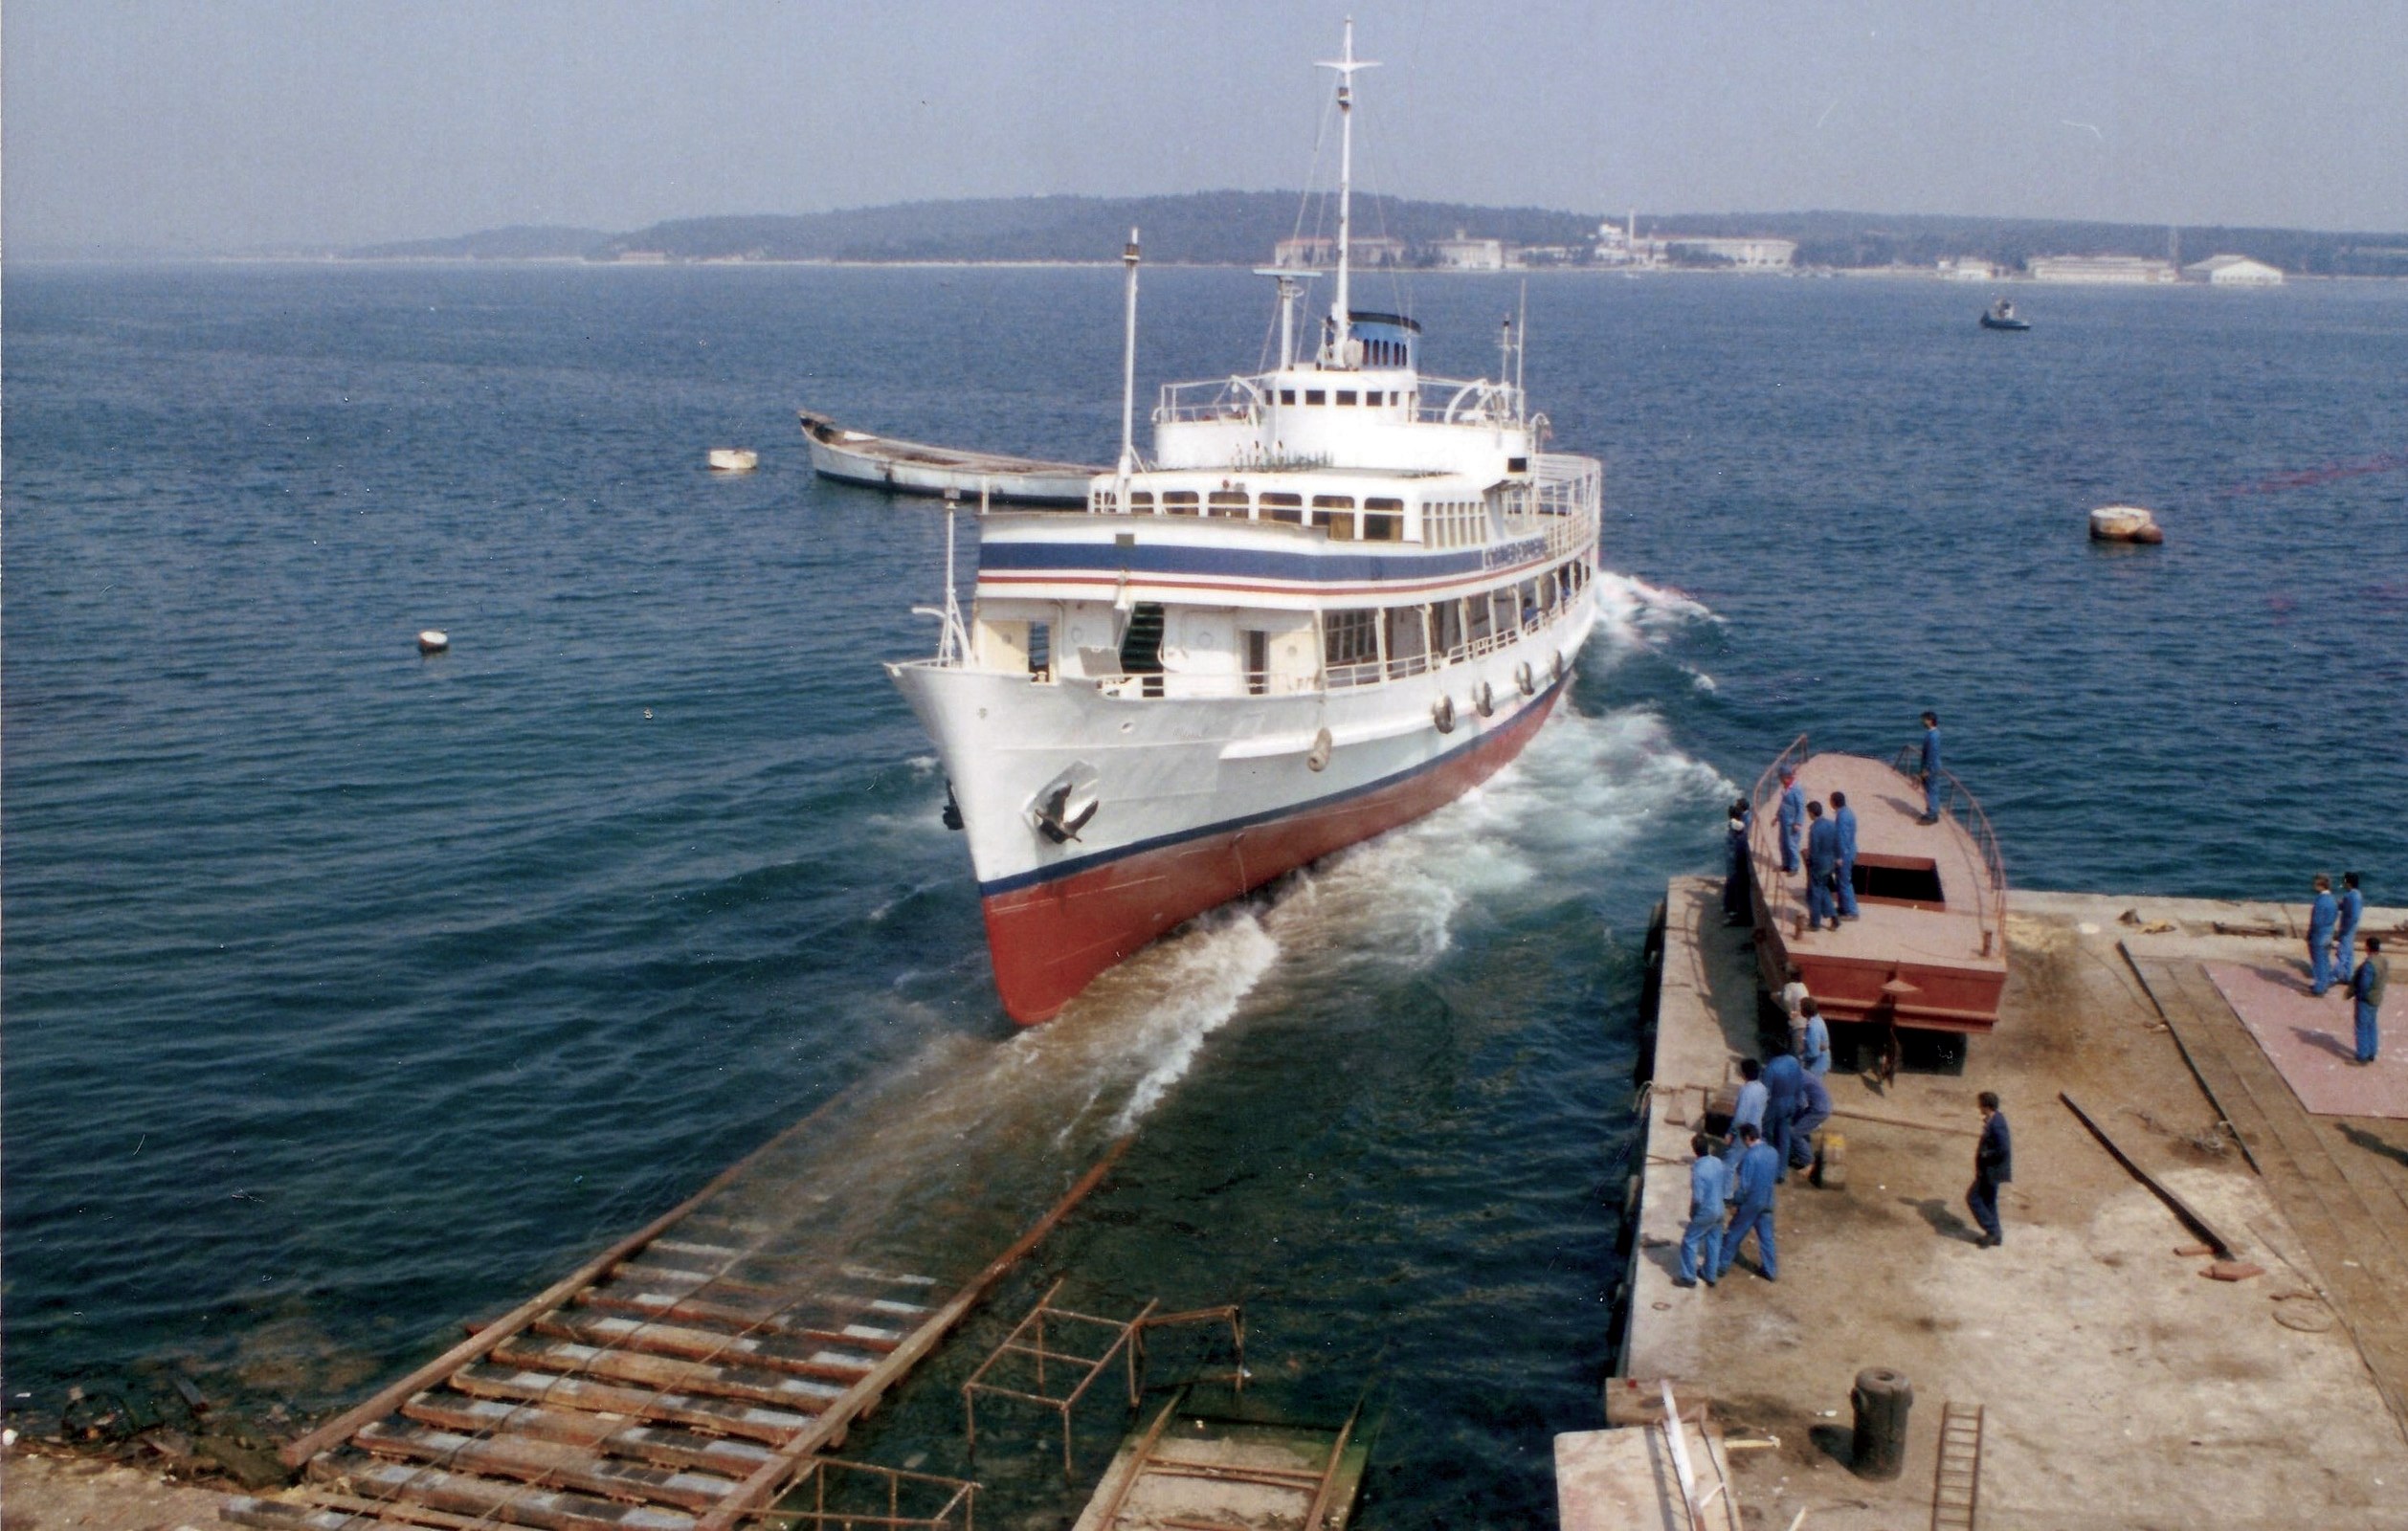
point(1463, 253)
point(1743, 254)
point(2122, 269)
point(2233, 271)
point(1318, 251)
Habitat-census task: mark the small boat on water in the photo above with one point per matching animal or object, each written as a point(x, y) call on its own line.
point(733, 459)
point(1929, 948)
point(1333, 597)
point(916, 467)
point(2000, 315)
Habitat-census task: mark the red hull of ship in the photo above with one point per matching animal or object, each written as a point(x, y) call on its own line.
point(1050, 940)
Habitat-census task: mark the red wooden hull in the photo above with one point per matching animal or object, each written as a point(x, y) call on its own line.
point(1050, 940)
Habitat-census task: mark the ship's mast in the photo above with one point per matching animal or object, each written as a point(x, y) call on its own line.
point(1129, 374)
point(1341, 316)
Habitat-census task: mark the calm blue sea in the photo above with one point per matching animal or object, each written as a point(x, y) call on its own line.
point(351, 994)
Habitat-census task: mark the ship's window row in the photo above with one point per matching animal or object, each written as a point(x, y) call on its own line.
point(1362, 646)
point(1347, 398)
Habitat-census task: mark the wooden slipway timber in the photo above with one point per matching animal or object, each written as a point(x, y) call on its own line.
point(916, 467)
point(680, 1381)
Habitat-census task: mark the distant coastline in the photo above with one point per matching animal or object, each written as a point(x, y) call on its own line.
point(1246, 228)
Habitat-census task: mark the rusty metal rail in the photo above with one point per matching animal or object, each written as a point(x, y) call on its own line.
point(1027, 1351)
point(683, 1379)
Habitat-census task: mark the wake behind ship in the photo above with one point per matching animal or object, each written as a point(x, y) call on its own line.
point(1336, 595)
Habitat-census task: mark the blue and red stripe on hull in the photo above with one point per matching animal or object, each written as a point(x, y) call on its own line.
point(1050, 938)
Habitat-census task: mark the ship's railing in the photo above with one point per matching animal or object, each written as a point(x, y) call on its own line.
point(1764, 855)
point(1228, 398)
point(1129, 686)
point(1990, 892)
point(1430, 401)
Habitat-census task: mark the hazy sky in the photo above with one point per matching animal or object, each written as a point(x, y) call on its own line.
point(217, 123)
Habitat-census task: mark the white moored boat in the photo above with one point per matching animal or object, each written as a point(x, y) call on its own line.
point(1337, 594)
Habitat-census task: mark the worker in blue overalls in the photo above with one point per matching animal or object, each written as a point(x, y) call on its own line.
point(2345, 935)
point(1752, 1211)
point(1748, 1110)
point(1709, 1199)
point(1844, 816)
point(1784, 1091)
point(1931, 767)
point(1822, 869)
point(2321, 917)
point(1790, 817)
point(2366, 995)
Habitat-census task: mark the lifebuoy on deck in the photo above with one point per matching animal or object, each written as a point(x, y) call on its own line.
point(1522, 677)
point(1442, 714)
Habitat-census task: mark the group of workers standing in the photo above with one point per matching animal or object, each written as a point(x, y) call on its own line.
point(1781, 1103)
point(2333, 934)
point(1825, 845)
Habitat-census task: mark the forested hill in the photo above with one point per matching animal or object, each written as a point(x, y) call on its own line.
point(1240, 227)
point(1203, 228)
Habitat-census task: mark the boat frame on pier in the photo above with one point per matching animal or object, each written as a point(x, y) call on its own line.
point(1930, 952)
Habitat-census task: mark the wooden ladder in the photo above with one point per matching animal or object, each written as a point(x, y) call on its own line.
point(1956, 1485)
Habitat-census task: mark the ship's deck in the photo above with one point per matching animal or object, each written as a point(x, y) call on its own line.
point(1929, 908)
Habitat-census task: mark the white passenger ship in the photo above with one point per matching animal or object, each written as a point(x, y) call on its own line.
point(1337, 595)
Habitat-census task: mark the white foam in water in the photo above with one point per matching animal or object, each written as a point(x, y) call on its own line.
point(1626, 602)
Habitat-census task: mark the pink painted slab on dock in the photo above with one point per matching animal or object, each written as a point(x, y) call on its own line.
point(2312, 1041)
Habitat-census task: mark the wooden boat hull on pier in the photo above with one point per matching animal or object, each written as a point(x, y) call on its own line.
point(1934, 901)
point(915, 468)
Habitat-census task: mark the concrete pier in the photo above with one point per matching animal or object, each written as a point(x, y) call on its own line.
point(2120, 1386)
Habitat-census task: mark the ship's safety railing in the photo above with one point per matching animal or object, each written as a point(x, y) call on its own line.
point(1428, 401)
point(911, 1501)
point(1780, 900)
point(1783, 901)
point(1990, 892)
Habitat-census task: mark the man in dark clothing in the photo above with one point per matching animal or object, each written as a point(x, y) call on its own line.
point(1735, 863)
point(1994, 1165)
point(1930, 768)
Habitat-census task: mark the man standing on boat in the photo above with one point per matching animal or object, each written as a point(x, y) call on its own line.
point(1931, 767)
point(1822, 870)
point(1844, 817)
point(1792, 817)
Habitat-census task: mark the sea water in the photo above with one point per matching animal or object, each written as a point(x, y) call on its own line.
point(351, 993)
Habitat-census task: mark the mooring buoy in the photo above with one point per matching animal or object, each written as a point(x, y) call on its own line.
point(434, 640)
